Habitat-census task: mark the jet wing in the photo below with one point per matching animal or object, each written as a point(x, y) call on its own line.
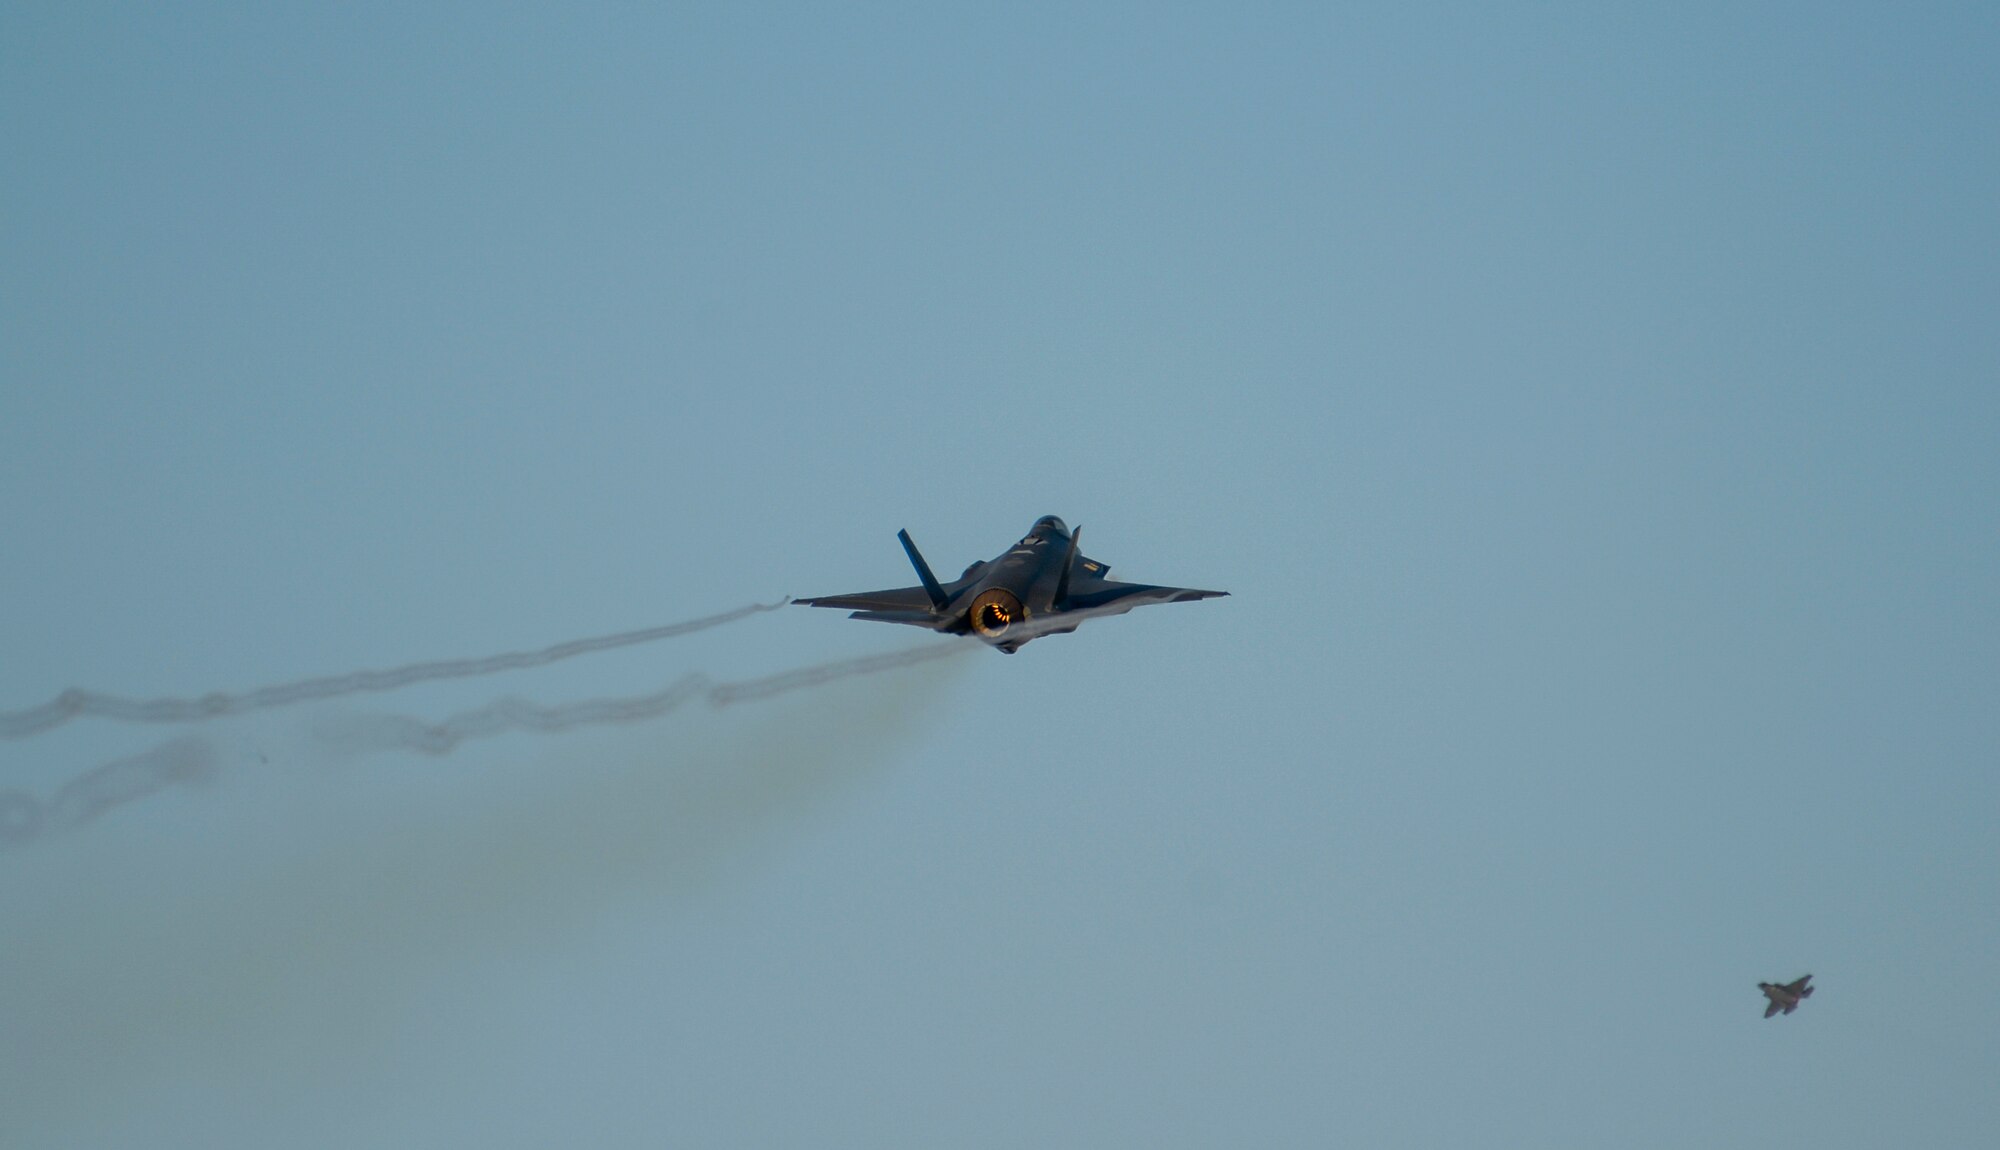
point(894, 599)
point(895, 605)
point(1105, 597)
point(1768, 1011)
point(1100, 598)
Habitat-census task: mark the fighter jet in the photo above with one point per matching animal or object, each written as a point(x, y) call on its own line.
point(1043, 585)
point(1786, 997)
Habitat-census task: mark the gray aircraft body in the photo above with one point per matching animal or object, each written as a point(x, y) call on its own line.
point(1786, 997)
point(1043, 585)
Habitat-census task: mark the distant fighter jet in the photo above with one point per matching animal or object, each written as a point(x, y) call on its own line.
point(1042, 586)
point(1786, 997)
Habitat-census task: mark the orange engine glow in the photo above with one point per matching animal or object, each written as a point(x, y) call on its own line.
point(995, 611)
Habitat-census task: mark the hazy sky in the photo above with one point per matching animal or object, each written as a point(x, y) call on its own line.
point(1594, 415)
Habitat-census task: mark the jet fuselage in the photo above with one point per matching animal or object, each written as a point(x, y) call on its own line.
point(1020, 584)
point(1785, 997)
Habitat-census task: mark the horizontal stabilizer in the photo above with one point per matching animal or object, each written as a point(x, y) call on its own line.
point(913, 618)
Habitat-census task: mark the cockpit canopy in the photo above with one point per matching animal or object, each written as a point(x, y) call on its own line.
point(1049, 525)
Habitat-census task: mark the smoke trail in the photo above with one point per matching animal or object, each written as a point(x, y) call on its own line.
point(400, 732)
point(82, 799)
point(241, 972)
point(76, 702)
point(24, 817)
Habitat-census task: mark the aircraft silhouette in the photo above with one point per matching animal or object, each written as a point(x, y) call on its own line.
point(1043, 585)
point(1786, 997)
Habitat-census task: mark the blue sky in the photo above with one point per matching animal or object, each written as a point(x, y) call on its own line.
point(1592, 415)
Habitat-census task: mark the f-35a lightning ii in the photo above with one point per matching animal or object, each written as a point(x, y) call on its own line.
point(1786, 997)
point(1043, 585)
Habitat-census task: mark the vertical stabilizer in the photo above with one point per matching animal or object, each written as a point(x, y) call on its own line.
point(930, 582)
point(1068, 565)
